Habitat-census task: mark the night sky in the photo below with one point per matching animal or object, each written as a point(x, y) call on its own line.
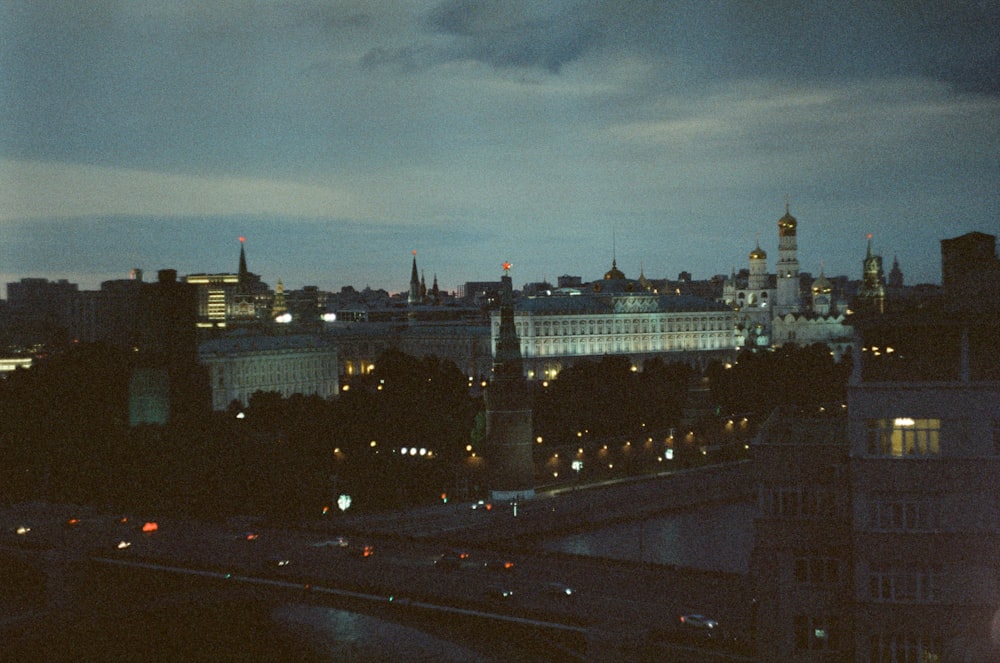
point(339, 136)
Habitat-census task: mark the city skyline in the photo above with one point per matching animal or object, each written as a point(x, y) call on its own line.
point(339, 137)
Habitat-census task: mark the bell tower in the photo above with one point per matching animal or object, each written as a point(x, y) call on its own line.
point(787, 298)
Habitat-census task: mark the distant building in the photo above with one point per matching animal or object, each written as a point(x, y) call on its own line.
point(40, 310)
point(787, 306)
point(240, 365)
point(166, 384)
point(617, 315)
point(231, 299)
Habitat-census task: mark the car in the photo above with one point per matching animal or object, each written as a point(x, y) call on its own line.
point(694, 622)
point(498, 564)
point(499, 592)
point(451, 560)
point(278, 562)
point(336, 542)
point(482, 504)
point(559, 589)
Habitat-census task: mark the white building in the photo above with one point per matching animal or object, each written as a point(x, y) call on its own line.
point(557, 330)
point(772, 311)
point(239, 366)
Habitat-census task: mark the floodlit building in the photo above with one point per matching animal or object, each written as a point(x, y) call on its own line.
point(783, 307)
point(617, 316)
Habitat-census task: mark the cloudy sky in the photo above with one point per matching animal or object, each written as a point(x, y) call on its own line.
point(339, 136)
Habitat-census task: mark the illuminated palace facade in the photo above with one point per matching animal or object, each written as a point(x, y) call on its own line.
point(557, 330)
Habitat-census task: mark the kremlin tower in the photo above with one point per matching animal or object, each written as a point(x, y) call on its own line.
point(508, 410)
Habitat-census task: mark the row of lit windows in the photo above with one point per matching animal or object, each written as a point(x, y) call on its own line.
point(906, 585)
point(569, 347)
point(903, 437)
point(256, 371)
point(624, 326)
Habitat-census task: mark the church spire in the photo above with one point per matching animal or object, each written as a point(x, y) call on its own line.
point(414, 295)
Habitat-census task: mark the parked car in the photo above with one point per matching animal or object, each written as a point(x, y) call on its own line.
point(697, 623)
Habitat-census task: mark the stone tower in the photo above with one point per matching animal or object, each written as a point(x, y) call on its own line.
point(508, 411)
point(871, 295)
point(787, 295)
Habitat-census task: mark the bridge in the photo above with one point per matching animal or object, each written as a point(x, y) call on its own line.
point(63, 560)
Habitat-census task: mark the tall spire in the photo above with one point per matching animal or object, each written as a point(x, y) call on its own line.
point(243, 262)
point(414, 295)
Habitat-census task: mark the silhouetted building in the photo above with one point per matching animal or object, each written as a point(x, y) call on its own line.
point(167, 382)
point(970, 268)
point(801, 565)
point(508, 412)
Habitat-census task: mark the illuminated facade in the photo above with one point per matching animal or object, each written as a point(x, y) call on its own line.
point(771, 310)
point(557, 330)
point(239, 366)
point(228, 299)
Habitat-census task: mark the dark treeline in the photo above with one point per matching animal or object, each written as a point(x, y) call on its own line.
point(65, 434)
point(606, 399)
point(758, 382)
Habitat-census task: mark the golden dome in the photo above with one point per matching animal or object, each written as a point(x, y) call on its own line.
point(758, 253)
point(614, 273)
point(787, 223)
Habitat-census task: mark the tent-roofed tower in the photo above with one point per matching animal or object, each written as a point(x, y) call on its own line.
point(508, 410)
point(414, 295)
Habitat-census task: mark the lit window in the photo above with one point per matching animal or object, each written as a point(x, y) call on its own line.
point(903, 437)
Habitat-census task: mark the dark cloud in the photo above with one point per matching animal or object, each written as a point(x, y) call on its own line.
point(956, 42)
point(505, 34)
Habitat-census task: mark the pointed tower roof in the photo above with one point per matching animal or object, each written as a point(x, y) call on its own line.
point(243, 271)
point(507, 362)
